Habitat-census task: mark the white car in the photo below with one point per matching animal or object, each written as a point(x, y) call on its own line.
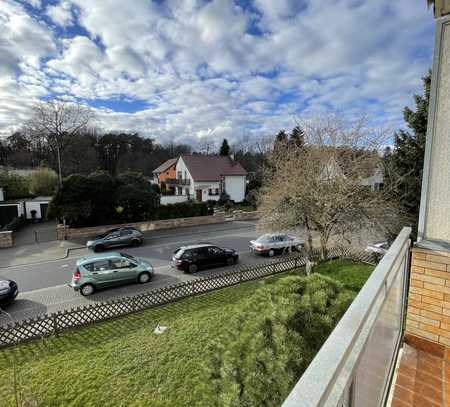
point(273, 243)
point(378, 247)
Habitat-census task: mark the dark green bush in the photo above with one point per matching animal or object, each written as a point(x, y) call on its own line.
point(273, 340)
point(182, 210)
point(100, 199)
point(14, 225)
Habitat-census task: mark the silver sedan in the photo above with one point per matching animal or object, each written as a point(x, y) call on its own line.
point(274, 243)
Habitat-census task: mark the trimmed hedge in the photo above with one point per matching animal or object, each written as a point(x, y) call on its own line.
point(181, 210)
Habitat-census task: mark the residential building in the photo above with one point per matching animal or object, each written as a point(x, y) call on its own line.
point(205, 177)
point(164, 171)
point(375, 181)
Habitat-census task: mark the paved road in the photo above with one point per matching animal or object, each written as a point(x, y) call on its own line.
point(43, 286)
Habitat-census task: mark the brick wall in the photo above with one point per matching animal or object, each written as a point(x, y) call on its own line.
point(428, 314)
point(6, 239)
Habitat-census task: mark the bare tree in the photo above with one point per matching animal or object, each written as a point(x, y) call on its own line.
point(57, 121)
point(318, 186)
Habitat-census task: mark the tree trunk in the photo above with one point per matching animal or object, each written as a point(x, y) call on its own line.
point(323, 246)
point(58, 152)
point(309, 245)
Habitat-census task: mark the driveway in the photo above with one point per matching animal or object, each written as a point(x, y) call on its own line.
point(33, 233)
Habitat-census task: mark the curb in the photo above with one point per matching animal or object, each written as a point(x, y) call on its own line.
point(70, 249)
point(66, 255)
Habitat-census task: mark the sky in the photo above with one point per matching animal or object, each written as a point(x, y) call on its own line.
point(197, 71)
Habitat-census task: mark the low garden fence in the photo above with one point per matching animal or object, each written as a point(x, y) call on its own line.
point(58, 322)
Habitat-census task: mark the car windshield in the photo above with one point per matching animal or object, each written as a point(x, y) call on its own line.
point(128, 256)
point(264, 238)
point(179, 253)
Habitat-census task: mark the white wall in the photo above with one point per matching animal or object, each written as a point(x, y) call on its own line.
point(235, 187)
point(205, 186)
point(181, 166)
point(34, 205)
point(170, 199)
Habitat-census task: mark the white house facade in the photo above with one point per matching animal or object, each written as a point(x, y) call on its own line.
point(203, 178)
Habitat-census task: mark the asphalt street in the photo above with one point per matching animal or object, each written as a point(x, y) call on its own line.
point(43, 286)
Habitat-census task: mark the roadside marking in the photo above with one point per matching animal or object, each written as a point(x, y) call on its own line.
point(64, 265)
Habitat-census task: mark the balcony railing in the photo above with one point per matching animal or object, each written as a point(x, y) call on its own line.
point(178, 181)
point(355, 365)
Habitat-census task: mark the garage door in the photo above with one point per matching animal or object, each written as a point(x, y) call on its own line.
point(7, 214)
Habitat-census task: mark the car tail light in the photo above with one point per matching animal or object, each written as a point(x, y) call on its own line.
point(259, 246)
point(76, 275)
point(179, 262)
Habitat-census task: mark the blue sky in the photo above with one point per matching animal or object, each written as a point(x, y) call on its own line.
point(195, 71)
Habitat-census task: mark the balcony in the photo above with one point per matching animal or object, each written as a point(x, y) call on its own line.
point(178, 181)
point(356, 364)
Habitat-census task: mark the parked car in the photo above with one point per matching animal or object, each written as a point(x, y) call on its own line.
point(378, 247)
point(109, 269)
point(8, 291)
point(195, 257)
point(275, 243)
point(126, 236)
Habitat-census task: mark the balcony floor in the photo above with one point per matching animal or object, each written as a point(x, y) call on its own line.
point(423, 379)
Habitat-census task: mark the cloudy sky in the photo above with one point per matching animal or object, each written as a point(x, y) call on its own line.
point(194, 70)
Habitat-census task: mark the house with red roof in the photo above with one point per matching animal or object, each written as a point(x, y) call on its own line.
point(205, 177)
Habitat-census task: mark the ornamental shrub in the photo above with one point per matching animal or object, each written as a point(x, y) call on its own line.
point(273, 339)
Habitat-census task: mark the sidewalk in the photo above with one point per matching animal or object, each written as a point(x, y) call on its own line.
point(36, 253)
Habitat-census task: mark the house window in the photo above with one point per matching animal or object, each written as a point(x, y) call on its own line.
point(210, 192)
point(179, 174)
point(186, 191)
point(217, 191)
point(179, 191)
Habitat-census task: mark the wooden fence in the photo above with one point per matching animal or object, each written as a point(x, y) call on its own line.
point(52, 324)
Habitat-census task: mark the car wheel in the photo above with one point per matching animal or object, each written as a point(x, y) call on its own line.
point(99, 248)
point(192, 268)
point(135, 242)
point(231, 261)
point(87, 289)
point(144, 278)
point(271, 253)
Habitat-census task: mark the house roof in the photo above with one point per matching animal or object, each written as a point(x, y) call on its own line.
point(165, 165)
point(211, 167)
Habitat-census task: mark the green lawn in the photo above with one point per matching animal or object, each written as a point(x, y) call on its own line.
point(352, 275)
point(123, 363)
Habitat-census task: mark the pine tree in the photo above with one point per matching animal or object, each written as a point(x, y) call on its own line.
point(224, 148)
point(281, 142)
point(403, 166)
point(297, 138)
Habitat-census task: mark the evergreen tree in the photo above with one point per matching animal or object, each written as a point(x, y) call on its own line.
point(297, 138)
point(403, 166)
point(225, 148)
point(281, 142)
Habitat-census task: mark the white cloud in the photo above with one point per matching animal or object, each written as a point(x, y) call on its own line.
point(61, 14)
point(200, 70)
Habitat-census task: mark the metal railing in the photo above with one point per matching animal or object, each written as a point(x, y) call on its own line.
point(178, 181)
point(355, 365)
